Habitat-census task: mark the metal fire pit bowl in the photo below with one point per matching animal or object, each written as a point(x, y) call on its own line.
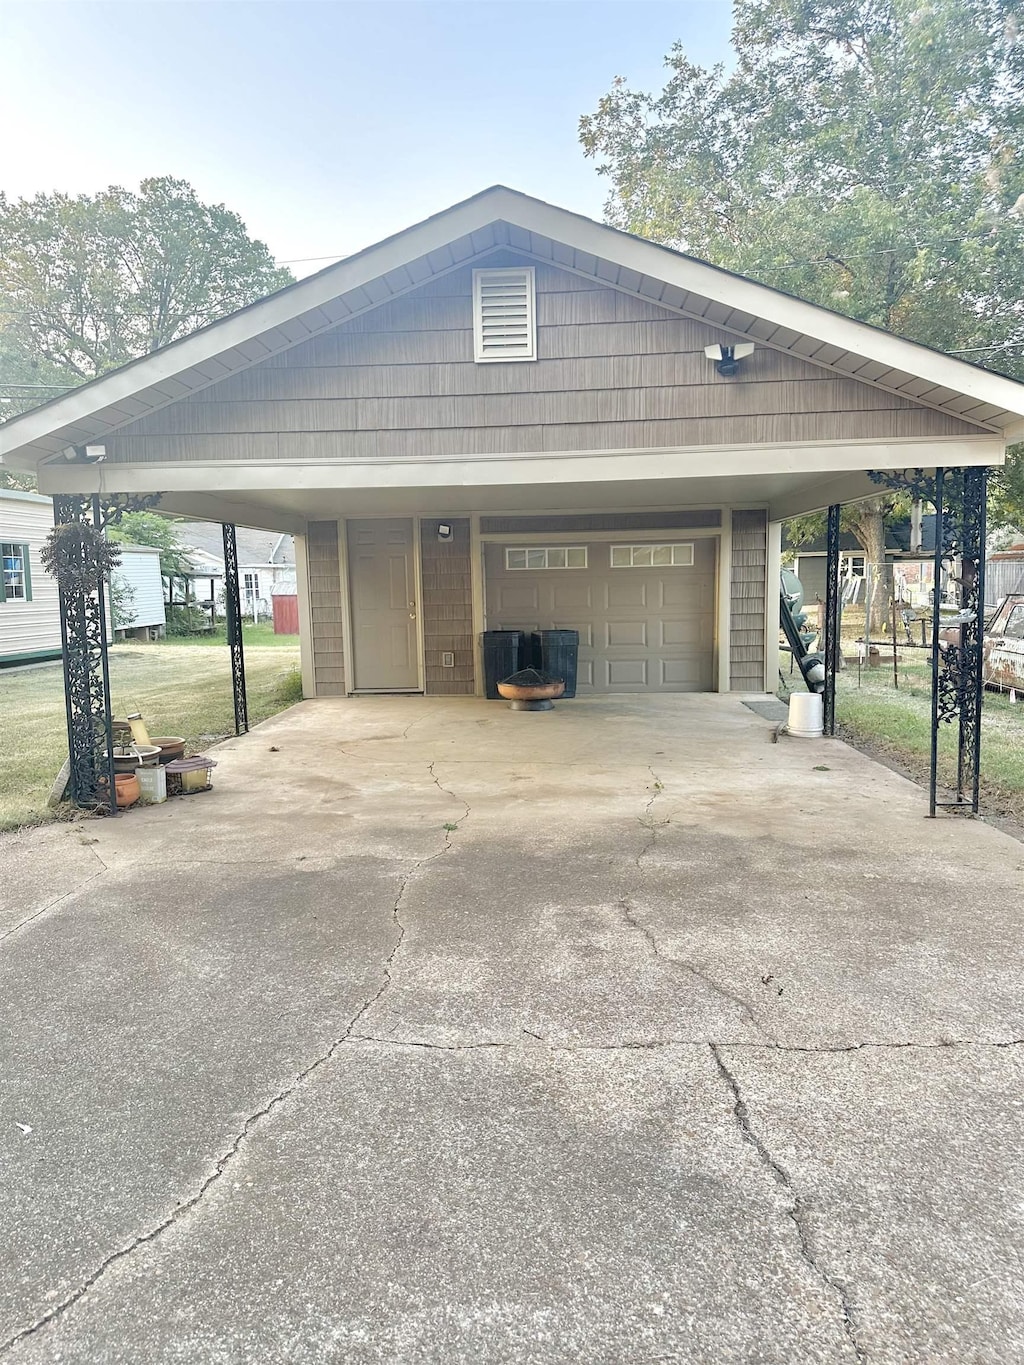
point(531, 690)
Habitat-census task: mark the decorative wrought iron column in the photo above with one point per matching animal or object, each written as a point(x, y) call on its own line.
point(233, 607)
point(958, 680)
point(831, 641)
point(959, 497)
point(83, 628)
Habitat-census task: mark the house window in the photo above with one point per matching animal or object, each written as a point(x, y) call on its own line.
point(16, 583)
point(678, 556)
point(504, 319)
point(853, 566)
point(251, 587)
point(546, 557)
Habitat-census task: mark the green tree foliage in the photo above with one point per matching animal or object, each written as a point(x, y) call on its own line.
point(149, 528)
point(863, 154)
point(89, 283)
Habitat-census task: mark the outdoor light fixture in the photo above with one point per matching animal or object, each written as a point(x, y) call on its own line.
point(727, 358)
point(444, 530)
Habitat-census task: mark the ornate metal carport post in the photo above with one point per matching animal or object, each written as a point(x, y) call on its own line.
point(83, 628)
point(831, 641)
point(958, 681)
point(233, 608)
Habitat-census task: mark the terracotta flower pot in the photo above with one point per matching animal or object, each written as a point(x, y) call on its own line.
point(170, 746)
point(126, 789)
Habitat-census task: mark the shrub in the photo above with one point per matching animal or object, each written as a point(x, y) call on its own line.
point(186, 621)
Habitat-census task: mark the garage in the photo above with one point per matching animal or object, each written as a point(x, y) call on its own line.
point(644, 608)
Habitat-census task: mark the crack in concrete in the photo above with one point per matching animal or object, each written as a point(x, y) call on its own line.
point(448, 792)
point(646, 821)
point(630, 916)
point(834, 1049)
point(797, 1213)
point(52, 905)
point(430, 1047)
point(654, 1044)
point(228, 1155)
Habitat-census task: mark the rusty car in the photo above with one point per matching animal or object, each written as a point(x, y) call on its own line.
point(1002, 645)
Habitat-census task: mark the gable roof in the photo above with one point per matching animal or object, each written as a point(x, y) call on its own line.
point(500, 217)
point(264, 548)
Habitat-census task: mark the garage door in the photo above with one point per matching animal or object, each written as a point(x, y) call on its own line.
point(645, 610)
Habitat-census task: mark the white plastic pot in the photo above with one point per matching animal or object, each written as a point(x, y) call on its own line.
point(805, 715)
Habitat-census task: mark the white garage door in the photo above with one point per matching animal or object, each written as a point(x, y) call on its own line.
point(645, 610)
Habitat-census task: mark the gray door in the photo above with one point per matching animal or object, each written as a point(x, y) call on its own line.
point(645, 609)
point(384, 608)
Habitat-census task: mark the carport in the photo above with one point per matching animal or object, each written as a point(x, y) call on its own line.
point(448, 419)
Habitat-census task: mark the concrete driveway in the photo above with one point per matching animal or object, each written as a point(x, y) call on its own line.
point(442, 1033)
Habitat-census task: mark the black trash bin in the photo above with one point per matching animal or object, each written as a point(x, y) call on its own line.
point(557, 652)
point(504, 654)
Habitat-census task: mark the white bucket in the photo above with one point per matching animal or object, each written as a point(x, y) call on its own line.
point(152, 785)
point(805, 715)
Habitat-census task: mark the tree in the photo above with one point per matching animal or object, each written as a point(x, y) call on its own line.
point(149, 528)
point(89, 283)
point(862, 154)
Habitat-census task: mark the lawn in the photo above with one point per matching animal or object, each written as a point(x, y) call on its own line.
point(179, 688)
point(894, 723)
point(263, 635)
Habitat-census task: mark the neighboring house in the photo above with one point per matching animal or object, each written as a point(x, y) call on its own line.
point(29, 610)
point(264, 558)
point(29, 604)
point(911, 570)
point(142, 610)
point(507, 416)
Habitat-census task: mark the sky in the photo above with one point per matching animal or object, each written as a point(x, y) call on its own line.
point(327, 126)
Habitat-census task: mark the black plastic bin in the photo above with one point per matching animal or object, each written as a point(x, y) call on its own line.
point(557, 652)
point(504, 654)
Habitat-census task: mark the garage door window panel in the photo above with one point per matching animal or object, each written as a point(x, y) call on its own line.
point(678, 556)
point(546, 557)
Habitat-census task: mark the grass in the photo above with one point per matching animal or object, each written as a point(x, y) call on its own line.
point(262, 635)
point(179, 689)
point(895, 724)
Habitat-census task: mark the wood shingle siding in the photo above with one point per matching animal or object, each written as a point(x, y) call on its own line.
point(614, 372)
point(747, 607)
point(325, 608)
point(447, 610)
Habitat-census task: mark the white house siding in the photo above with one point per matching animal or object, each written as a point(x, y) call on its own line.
point(29, 630)
point(140, 569)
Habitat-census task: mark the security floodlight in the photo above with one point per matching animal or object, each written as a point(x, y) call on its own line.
point(727, 358)
point(95, 453)
point(444, 530)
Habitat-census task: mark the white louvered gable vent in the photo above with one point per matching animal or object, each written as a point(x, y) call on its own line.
point(504, 322)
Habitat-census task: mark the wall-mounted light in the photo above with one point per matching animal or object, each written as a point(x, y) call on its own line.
point(444, 530)
point(727, 358)
point(84, 454)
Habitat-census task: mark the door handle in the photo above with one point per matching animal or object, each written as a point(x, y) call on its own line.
point(412, 616)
